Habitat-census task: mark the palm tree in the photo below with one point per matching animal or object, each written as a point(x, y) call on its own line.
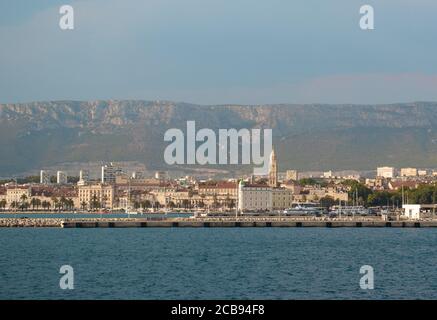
point(69, 204)
point(63, 203)
point(157, 205)
point(23, 198)
point(104, 199)
point(33, 203)
point(171, 205)
point(94, 202)
point(37, 203)
point(3, 204)
point(23, 204)
point(45, 205)
point(55, 202)
point(14, 204)
point(137, 205)
point(83, 205)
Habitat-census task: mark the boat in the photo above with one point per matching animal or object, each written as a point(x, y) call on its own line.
point(306, 208)
point(350, 210)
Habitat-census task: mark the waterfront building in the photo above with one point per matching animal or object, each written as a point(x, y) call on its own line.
point(273, 170)
point(54, 193)
point(61, 177)
point(282, 198)
point(408, 172)
point(44, 177)
point(254, 197)
point(17, 194)
point(2, 194)
point(101, 193)
point(315, 193)
point(385, 172)
point(221, 188)
point(110, 172)
point(292, 175)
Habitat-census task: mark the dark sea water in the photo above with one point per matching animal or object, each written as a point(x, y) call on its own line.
point(234, 263)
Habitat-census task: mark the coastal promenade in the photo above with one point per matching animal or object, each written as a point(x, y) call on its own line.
point(205, 222)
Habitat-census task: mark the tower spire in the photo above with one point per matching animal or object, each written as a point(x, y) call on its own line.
point(273, 170)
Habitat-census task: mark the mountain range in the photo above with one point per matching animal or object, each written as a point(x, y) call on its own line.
point(306, 137)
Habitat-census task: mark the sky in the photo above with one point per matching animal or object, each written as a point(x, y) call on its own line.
point(219, 51)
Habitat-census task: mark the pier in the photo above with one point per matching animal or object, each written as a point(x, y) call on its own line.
point(248, 224)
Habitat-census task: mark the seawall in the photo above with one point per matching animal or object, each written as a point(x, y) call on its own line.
point(249, 224)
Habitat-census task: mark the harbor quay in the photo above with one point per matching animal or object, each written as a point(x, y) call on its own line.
point(225, 222)
point(246, 223)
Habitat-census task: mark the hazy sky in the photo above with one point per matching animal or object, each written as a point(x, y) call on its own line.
point(219, 51)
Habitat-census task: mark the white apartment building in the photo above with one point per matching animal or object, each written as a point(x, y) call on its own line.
point(61, 177)
point(84, 175)
point(327, 174)
point(385, 172)
point(109, 173)
point(44, 177)
point(408, 172)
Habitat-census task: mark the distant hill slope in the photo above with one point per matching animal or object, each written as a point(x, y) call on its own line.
point(316, 137)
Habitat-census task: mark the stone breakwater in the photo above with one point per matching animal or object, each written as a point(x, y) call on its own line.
point(31, 222)
point(48, 222)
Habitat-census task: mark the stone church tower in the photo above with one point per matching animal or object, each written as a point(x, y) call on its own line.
point(273, 170)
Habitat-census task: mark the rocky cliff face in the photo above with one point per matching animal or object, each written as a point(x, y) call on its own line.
point(39, 134)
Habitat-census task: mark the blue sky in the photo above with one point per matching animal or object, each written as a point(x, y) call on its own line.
point(219, 51)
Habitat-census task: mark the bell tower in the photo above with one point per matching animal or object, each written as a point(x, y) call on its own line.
point(273, 170)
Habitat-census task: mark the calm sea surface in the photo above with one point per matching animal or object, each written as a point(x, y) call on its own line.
point(234, 263)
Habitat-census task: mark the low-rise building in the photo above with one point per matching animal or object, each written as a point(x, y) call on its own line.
point(411, 211)
point(422, 173)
